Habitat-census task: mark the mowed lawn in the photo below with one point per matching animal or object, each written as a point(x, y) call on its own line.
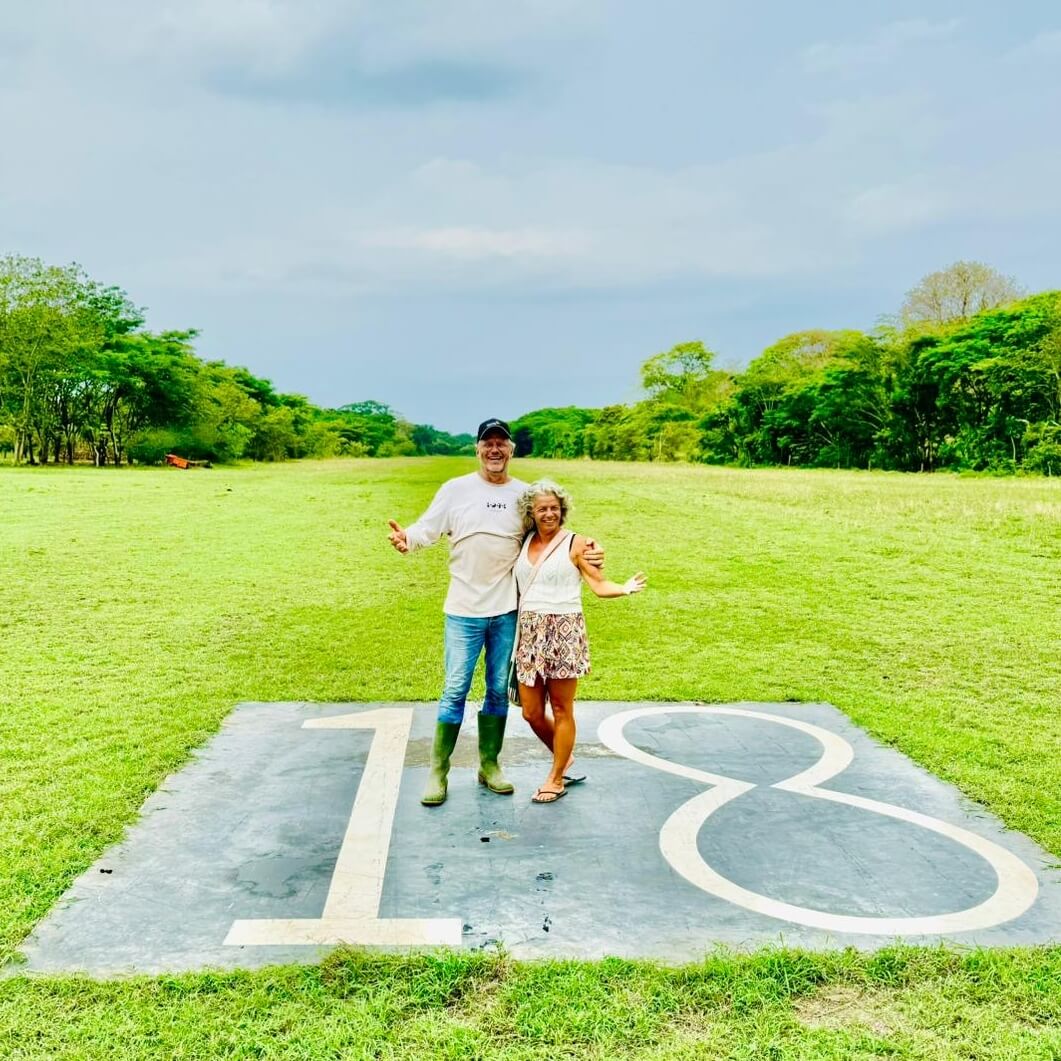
point(138, 605)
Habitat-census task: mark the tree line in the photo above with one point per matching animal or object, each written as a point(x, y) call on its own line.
point(82, 379)
point(966, 376)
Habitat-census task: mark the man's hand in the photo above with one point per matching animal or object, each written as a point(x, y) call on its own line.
point(594, 554)
point(397, 537)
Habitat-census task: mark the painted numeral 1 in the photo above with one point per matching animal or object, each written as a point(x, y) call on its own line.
point(351, 909)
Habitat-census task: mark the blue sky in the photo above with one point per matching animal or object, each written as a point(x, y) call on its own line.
point(468, 208)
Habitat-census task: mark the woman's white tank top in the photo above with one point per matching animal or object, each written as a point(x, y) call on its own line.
point(557, 588)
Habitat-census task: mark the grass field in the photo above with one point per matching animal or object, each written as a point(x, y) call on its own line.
point(137, 606)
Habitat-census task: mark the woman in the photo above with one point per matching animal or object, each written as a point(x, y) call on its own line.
point(552, 651)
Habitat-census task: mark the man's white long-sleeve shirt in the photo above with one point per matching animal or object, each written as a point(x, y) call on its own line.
point(485, 532)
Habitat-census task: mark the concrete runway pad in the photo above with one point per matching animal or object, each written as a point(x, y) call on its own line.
point(299, 827)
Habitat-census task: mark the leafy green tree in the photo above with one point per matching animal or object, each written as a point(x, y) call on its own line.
point(368, 424)
point(224, 416)
point(682, 386)
point(1042, 444)
point(611, 435)
point(679, 373)
point(1047, 358)
point(684, 378)
point(846, 410)
point(790, 407)
point(43, 318)
point(978, 384)
point(552, 432)
point(275, 436)
point(261, 390)
point(150, 382)
point(55, 324)
point(429, 440)
point(320, 439)
point(401, 443)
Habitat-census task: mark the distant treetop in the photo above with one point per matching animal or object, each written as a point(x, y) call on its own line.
point(957, 293)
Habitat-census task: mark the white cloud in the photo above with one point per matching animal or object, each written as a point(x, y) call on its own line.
point(888, 43)
point(1014, 189)
point(471, 242)
point(456, 224)
point(1043, 45)
point(265, 34)
point(900, 206)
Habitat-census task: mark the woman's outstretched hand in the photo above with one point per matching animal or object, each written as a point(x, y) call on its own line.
point(635, 584)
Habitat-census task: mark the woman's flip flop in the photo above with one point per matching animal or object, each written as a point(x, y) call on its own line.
point(546, 795)
point(572, 779)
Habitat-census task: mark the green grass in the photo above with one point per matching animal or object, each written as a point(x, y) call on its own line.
point(896, 1004)
point(137, 606)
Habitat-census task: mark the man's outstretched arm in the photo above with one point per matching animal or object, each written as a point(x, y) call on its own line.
point(426, 530)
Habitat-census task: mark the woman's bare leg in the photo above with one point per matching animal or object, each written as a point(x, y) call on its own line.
point(562, 698)
point(532, 700)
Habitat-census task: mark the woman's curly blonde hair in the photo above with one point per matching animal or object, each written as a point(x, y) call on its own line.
point(525, 504)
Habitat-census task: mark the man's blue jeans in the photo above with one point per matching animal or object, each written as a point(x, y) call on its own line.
point(465, 640)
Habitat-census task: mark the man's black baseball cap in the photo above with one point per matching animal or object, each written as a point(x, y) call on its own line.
point(492, 425)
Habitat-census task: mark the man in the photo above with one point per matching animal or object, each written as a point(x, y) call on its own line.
point(478, 514)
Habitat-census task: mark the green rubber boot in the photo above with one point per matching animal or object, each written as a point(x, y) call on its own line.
point(491, 735)
point(441, 750)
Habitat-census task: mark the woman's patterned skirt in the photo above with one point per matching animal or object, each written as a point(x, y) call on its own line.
point(552, 646)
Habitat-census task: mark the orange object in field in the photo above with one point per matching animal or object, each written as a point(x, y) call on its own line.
point(177, 462)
